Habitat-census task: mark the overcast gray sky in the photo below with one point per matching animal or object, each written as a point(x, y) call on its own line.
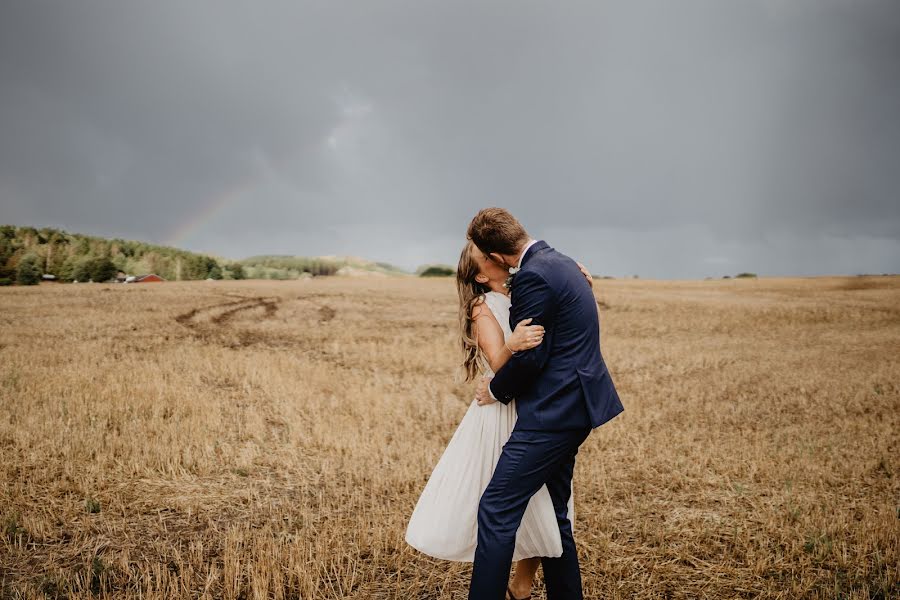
point(666, 139)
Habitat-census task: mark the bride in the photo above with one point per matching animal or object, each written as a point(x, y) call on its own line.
point(444, 521)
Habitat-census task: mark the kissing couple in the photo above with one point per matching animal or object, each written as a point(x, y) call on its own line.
point(502, 489)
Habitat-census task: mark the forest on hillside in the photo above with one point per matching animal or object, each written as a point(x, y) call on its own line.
point(28, 253)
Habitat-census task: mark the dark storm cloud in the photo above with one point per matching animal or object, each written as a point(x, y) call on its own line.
point(660, 138)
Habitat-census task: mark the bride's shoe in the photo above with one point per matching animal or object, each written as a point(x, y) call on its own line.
point(509, 595)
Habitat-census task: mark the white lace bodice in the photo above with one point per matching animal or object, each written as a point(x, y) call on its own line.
point(499, 305)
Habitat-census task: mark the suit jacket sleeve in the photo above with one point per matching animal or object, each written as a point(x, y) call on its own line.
point(532, 297)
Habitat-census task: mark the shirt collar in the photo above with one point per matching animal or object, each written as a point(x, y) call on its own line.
point(524, 250)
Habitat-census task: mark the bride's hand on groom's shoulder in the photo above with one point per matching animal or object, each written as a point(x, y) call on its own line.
point(587, 274)
point(482, 395)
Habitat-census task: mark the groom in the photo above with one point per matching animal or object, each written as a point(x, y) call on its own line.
point(562, 390)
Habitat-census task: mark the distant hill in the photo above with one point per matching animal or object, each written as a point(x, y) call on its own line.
point(282, 266)
point(78, 257)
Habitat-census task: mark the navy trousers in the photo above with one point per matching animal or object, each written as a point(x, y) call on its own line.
point(529, 459)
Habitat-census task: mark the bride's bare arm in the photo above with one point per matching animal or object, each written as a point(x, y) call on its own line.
point(487, 331)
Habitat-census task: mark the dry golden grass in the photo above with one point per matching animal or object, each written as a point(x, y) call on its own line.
point(270, 439)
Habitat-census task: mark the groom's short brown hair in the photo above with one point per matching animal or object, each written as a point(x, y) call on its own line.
point(496, 230)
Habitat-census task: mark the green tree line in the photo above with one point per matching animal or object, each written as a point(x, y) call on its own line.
point(288, 267)
point(27, 253)
point(283, 266)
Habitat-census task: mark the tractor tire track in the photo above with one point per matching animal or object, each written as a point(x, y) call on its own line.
point(214, 323)
point(218, 323)
point(270, 307)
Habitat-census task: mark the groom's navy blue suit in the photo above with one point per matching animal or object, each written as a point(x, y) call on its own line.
point(562, 390)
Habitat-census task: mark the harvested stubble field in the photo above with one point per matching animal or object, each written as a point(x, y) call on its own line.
point(269, 439)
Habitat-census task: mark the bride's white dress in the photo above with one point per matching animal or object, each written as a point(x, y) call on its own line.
point(444, 522)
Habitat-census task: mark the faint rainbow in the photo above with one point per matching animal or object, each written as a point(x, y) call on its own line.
point(207, 211)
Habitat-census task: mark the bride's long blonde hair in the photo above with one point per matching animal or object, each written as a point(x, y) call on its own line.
point(471, 294)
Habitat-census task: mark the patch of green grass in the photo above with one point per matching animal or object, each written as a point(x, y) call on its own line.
point(50, 587)
point(11, 380)
point(97, 569)
point(11, 526)
point(819, 545)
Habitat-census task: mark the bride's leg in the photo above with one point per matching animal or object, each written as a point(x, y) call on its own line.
point(524, 576)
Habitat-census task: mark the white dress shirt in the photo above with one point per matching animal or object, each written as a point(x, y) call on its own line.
point(518, 266)
point(524, 250)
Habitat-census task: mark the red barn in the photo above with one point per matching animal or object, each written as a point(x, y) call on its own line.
point(148, 278)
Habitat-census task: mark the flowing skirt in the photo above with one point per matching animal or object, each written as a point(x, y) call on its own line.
point(444, 522)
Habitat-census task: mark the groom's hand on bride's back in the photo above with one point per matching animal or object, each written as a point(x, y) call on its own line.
point(481, 392)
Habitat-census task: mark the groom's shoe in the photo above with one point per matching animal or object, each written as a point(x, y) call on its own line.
point(509, 595)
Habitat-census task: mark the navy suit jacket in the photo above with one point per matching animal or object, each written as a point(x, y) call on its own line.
point(563, 383)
